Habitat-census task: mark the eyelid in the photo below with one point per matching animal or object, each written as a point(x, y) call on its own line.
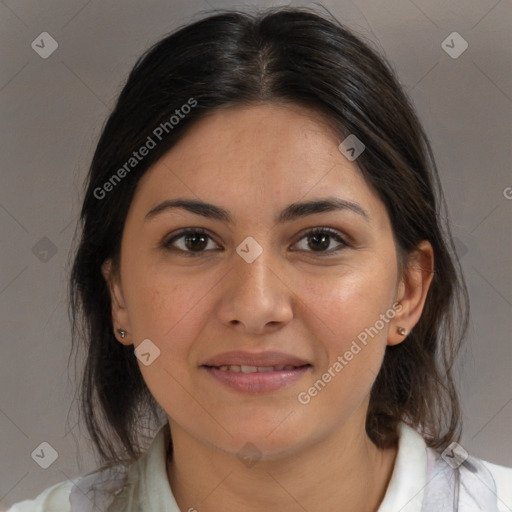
point(331, 232)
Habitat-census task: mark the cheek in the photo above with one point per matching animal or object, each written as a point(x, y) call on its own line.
point(170, 315)
point(160, 299)
point(345, 316)
point(172, 311)
point(351, 302)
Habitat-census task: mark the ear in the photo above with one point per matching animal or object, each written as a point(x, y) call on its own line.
point(412, 291)
point(120, 317)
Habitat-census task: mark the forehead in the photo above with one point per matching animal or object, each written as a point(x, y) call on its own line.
point(256, 155)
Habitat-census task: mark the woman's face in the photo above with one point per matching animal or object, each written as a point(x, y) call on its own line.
point(259, 283)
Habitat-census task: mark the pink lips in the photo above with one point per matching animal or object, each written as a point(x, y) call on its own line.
point(269, 358)
point(252, 372)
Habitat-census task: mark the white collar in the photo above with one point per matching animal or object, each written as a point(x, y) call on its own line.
point(409, 478)
point(404, 493)
point(155, 491)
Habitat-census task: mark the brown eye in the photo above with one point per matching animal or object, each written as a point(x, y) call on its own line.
point(319, 239)
point(194, 242)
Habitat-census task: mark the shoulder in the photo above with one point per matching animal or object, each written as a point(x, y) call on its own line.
point(113, 487)
point(483, 485)
point(55, 498)
point(93, 491)
point(502, 476)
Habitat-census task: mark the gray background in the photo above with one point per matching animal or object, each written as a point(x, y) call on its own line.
point(52, 111)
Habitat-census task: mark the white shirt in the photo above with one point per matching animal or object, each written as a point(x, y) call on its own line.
point(421, 481)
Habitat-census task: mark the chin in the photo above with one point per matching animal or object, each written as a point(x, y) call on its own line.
point(254, 448)
point(271, 439)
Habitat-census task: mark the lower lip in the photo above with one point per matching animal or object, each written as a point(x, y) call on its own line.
point(257, 382)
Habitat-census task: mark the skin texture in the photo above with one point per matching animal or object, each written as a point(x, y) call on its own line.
point(254, 161)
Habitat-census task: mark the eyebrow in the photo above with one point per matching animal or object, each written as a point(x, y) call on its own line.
point(292, 212)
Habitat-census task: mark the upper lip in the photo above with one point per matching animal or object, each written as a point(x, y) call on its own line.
point(242, 358)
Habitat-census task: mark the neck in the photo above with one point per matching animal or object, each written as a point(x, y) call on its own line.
point(344, 469)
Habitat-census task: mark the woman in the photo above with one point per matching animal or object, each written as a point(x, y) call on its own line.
point(263, 275)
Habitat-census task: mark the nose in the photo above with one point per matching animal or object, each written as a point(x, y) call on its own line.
point(256, 296)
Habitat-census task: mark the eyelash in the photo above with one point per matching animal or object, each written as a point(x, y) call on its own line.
point(316, 231)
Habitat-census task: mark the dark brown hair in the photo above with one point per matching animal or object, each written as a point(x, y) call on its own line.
point(284, 55)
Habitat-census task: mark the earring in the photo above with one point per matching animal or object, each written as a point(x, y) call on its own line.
point(402, 331)
point(122, 333)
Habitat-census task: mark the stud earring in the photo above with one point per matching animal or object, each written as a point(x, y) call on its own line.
point(122, 333)
point(402, 331)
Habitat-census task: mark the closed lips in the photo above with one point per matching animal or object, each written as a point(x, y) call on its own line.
point(268, 361)
point(254, 369)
